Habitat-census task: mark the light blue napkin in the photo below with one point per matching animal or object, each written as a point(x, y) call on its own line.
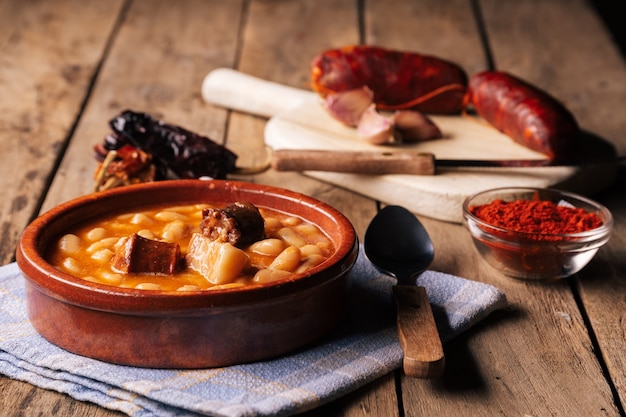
point(364, 348)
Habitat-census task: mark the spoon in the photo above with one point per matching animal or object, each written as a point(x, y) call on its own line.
point(398, 245)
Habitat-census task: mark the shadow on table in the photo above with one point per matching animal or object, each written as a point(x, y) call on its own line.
point(462, 371)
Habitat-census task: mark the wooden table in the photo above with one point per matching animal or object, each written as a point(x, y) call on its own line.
point(68, 66)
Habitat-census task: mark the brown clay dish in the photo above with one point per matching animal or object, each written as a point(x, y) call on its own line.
point(191, 329)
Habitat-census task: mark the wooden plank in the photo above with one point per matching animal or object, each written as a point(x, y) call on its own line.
point(156, 65)
point(519, 358)
point(282, 53)
point(499, 360)
point(589, 81)
point(46, 65)
point(592, 83)
point(365, 402)
point(46, 62)
point(526, 360)
point(602, 286)
point(444, 29)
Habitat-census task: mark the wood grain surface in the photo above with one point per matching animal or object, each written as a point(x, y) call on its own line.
point(68, 66)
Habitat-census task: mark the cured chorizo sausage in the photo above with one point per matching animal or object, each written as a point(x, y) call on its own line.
point(525, 113)
point(399, 80)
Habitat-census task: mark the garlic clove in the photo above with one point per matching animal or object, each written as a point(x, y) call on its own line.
point(375, 127)
point(414, 126)
point(348, 106)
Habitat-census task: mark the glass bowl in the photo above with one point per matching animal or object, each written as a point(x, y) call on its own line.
point(536, 255)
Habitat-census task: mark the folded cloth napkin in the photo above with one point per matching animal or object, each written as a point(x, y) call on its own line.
point(363, 348)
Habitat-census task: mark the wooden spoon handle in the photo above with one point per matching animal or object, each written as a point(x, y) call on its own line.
point(418, 334)
point(357, 162)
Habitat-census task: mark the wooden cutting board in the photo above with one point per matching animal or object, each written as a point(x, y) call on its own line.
point(297, 120)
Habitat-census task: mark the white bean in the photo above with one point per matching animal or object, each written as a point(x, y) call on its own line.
point(97, 233)
point(293, 246)
point(268, 247)
point(148, 286)
point(226, 286)
point(291, 221)
point(169, 216)
point(188, 287)
point(175, 230)
point(111, 278)
point(106, 243)
point(182, 209)
point(291, 237)
point(72, 266)
point(141, 219)
point(307, 229)
point(269, 275)
point(310, 249)
point(272, 224)
point(69, 244)
point(148, 234)
point(124, 217)
point(103, 255)
point(312, 233)
point(326, 246)
point(287, 260)
point(309, 262)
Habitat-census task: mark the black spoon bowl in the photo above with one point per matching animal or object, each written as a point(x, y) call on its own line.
point(397, 243)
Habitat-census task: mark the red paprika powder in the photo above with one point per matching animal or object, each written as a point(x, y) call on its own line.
point(537, 217)
point(539, 237)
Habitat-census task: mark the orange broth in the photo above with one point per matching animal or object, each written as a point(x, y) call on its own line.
point(87, 251)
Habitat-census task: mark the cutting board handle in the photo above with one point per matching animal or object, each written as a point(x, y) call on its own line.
point(235, 90)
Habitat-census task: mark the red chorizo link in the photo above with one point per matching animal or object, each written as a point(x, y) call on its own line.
point(400, 80)
point(525, 113)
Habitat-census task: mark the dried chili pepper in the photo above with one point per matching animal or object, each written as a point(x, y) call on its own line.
point(124, 166)
point(185, 153)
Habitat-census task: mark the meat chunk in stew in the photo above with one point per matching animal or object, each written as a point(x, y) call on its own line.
point(239, 224)
point(138, 254)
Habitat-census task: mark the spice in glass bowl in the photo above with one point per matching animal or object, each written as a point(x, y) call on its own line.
point(534, 233)
point(543, 219)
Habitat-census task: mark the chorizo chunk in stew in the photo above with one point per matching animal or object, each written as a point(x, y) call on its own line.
point(239, 224)
point(140, 255)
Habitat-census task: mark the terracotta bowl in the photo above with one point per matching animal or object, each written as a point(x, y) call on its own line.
point(195, 329)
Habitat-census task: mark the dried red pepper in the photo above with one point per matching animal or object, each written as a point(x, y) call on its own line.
point(125, 165)
point(143, 149)
point(185, 153)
